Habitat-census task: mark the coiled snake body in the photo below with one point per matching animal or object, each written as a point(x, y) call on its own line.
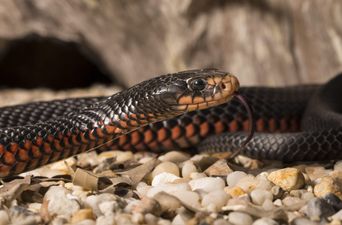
point(171, 112)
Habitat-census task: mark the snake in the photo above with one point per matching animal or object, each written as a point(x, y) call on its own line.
point(188, 110)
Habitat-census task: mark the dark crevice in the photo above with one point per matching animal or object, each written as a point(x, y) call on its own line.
point(34, 61)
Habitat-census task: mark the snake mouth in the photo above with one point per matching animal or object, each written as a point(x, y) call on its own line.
point(220, 89)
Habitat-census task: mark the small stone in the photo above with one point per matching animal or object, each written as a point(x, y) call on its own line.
point(315, 172)
point(4, 218)
point(307, 196)
point(219, 168)
point(318, 208)
point(188, 198)
point(268, 205)
point(303, 221)
point(142, 188)
point(164, 178)
point(168, 188)
point(85, 222)
point(288, 178)
point(234, 177)
point(188, 168)
point(328, 185)
point(168, 167)
point(221, 222)
point(108, 207)
point(265, 221)
point(337, 216)
point(120, 156)
point(338, 165)
point(106, 220)
point(147, 205)
point(175, 157)
point(293, 202)
point(167, 202)
point(179, 220)
point(82, 214)
point(234, 191)
point(334, 201)
point(276, 191)
point(239, 218)
point(93, 201)
point(59, 201)
point(217, 198)
point(207, 184)
point(259, 196)
point(248, 183)
point(196, 175)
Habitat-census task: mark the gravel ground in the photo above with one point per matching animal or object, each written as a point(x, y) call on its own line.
point(118, 187)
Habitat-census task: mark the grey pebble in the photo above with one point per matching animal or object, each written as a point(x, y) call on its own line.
point(318, 208)
point(265, 221)
point(239, 218)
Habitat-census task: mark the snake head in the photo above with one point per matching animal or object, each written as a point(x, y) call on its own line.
point(197, 89)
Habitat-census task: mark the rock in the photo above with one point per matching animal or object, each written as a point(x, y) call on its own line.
point(120, 156)
point(179, 220)
point(207, 184)
point(175, 157)
point(259, 196)
point(248, 183)
point(59, 201)
point(268, 205)
point(328, 185)
point(167, 202)
point(197, 175)
point(164, 178)
point(315, 172)
point(265, 221)
point(168, 188)
point(338, 165)
point(4, 218)
point(188, 168)
point(219, 168)
point(337, 216)
point(288, 178)
point(334, 201)
point(147, 205)
point(218, 198)
point(307, 196)
point(168, 167)
point(93, 201)
point(221, 222)
point(142, 188)
point(318, 208)
point(293, 202)
point(303, 221)
point(82, 214)
point(234, 191)
point(86, 222)
point(189, 199)
point(106, 220)
point(239, 218)
point(108, 207)
point(234, 177)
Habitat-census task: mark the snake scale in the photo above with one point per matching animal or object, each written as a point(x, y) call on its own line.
point(189, 109)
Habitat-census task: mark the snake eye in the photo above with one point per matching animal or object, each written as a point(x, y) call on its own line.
point(198, 84)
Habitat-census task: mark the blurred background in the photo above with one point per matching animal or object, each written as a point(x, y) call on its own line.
point(62, 44)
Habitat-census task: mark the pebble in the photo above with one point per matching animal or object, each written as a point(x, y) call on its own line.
point(168, 167)
point(315, 172)
point(328, 185)
point(219, 168)
point(217, 198)
point(234, 191)
point(207, 184)
point(175, 157)
point(60, 201)
point(248, 183)
point(337, 216)
point(188, 168)
point(106, 220)
point(93, 201)
point(164, 178)
point(334, 201)
point(108, 207)
point(142, 188)
point(167, 202)
point(221, 222)
point(268, 205)
point(303, 221)
point(288, 178)
point(259, 196)
point(338, 165)
point(265, 221)
point(82, 214)
point(4, 218)
point(85, 222)
point(197, 175)
point(293, 202)
point(168, 188)
point(234, 177)
point(120, 156)
point(147, 205)
point(239, 218)
point(318, 208)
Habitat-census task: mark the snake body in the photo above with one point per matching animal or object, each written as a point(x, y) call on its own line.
point(292, 123)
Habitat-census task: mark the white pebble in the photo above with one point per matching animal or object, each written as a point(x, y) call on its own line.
point(168, 188)
point(188, 168)
point(265, 221)
point(60, 202)
point(239, 218)
point(207, 184)
point(234, 177)
point(219, 198)
point(174, 156)
point(168, 167)
point(268, 205)
point(108, 207)
point(106, 220)
point(164, 178)
point(197, 175)
point(259, 196)
point(221, 222)
point(142, 188)
point(86, 222)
